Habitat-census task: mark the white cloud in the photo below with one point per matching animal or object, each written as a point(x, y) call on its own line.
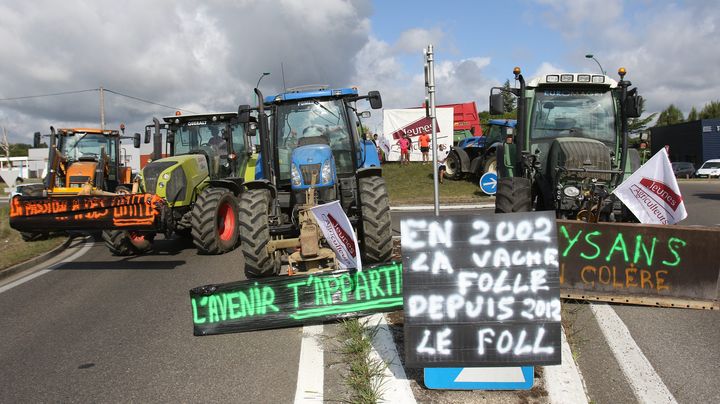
point(412, 40)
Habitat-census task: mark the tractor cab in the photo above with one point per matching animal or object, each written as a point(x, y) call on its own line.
point(316, 141)
point(198, 149)
point(83, 158)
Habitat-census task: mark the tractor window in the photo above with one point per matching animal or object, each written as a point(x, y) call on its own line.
point(323, 121)
point(577, 113)
point(199, 135)
point(86, 146)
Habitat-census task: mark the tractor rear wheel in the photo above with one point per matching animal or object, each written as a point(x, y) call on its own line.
point(32, 236)
point(453, 166)
point(214, 221)
point(514, 194)
point(123, 243)
point(376, 234)
point(490, 165)
point(255, 234)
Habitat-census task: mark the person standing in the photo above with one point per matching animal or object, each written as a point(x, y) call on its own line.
point(442, 155)
point(404, 144)
point(424, 147)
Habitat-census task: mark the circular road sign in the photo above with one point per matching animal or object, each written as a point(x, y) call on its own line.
point(488, 183)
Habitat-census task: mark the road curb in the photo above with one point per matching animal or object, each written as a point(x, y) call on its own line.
point(10, 271)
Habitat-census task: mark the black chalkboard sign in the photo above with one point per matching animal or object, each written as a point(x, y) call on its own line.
point(481, 290)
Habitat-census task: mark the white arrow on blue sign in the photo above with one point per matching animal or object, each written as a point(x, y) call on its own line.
point(488, 183)
point(491, 378)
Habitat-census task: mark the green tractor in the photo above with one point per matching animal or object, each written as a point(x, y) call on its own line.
point(199, 176)
point(570, 149)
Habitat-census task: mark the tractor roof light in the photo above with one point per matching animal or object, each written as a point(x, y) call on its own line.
point(583, 78)
point(622, 72)
point(516, 70)
point(566, 78)
point(178, 113)
point(552, 78)
point(598, 79)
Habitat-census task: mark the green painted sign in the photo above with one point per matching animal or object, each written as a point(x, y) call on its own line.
point(287, 301)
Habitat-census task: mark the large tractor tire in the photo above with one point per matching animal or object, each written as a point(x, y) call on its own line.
point(490, 165)
point(255, 234)
point(123, 243)
point(453, 167)
point(514, 194)
point(214, 221)
point(376, 234)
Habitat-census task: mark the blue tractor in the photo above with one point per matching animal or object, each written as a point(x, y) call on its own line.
point(476, 155)
point(311, 151)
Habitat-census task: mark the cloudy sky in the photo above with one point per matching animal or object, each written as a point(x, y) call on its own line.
point(207, 56)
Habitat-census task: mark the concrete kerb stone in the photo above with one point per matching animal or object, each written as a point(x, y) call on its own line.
point(418, 208)
point(7, 272)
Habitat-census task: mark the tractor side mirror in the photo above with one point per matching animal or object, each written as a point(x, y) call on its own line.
point(36, 140)
point(170, 136)
point(252, 129)
point(633, 106)
point(375, 99)
point(244, 113)
point(365, 114)
point(497, 107)
point(136, 141)
point(147, 136)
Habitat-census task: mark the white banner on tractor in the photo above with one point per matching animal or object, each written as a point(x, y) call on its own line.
point(339, 233)
point(414, 123)
point(652, 192)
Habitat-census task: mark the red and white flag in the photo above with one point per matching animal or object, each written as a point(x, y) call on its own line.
point(652, 192)
point(339, 233)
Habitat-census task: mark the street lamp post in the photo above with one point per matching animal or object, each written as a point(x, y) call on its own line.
point(590, 56)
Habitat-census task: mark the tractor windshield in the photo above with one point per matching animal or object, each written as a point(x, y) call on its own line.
point(86, 146)
point(312, 122)
point(196, 136)
point(577, 113)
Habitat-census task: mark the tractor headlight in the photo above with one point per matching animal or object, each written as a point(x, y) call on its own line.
point(295, 176)
point(571, 191)
point(326, 173)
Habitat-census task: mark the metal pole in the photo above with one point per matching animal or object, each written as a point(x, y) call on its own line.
point(590, 56)
point(431, 91)
point(102, 108)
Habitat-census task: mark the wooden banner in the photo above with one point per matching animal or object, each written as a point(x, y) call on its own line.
point(481, 290)
point(673, 266)
point(288, 301)
point(86, 212)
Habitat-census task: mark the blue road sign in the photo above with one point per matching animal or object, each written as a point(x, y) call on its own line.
point(488, 183)
point(508, 378)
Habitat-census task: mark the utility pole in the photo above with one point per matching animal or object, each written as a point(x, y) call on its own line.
point(5, 144)
point(430, 91)
point(102, 108)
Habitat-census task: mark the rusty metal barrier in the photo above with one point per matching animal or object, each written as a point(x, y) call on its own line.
point(669, 266)
point(96, 212)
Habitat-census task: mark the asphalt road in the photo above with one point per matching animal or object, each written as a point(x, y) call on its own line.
point(110, 329)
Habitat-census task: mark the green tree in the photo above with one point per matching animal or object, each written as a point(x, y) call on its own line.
point(710, 110)
point(693, 115)
point(508, 98)
point(670, 116)
point(19, 149)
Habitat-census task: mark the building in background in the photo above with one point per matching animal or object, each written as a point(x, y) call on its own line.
point(694, 141)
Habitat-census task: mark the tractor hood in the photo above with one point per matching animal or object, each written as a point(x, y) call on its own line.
point(175, 178)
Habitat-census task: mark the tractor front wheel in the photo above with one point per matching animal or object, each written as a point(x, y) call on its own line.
point(214, 221)
point(490, 165)
point(514, 194)
point(123, 243)
point(376, 234)
point(255, 234)
point(453, 167)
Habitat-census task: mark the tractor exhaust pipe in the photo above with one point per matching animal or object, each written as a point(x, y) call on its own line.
point(157, 140)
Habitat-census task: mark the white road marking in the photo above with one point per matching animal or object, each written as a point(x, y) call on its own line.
point(34, 275)
point(646, 384)
point(311, 369)
point(564, 383)
point(420, 208)
point(396, 387)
